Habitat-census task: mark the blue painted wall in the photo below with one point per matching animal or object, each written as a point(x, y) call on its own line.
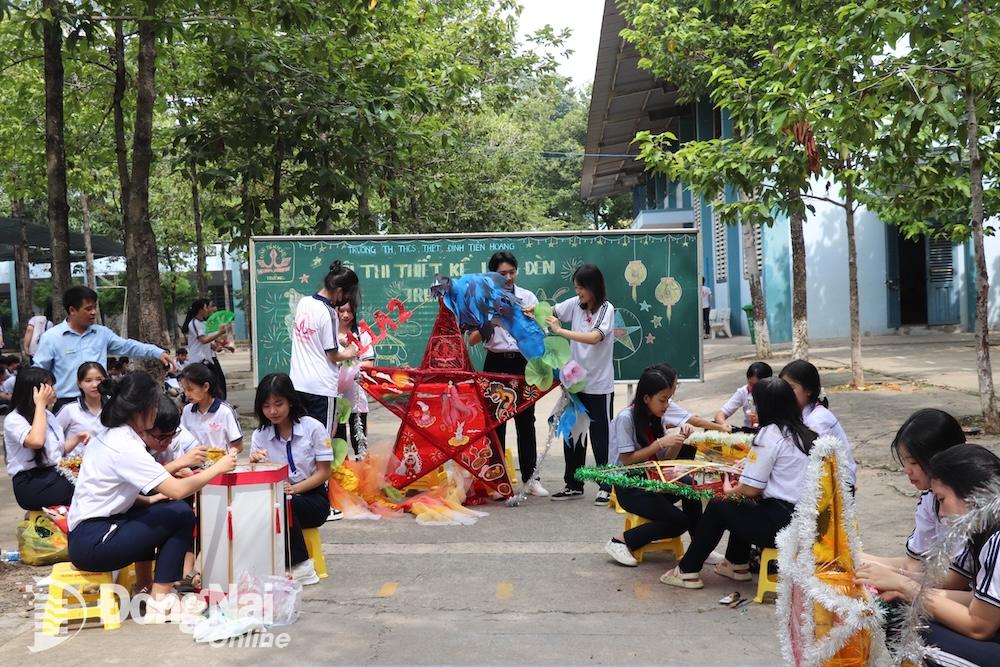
point(777, 254)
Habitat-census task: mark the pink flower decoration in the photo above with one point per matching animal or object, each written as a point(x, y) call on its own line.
point(572, 373)
point(346, 377)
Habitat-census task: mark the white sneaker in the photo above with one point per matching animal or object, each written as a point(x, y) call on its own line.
point(305, 573)
point(535, 488)
point(173, 609)
point(620, 553)
point(602, 498)
point(335, 514)
point(715, 558)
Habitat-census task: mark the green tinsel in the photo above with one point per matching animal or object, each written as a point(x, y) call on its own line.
point(618, 477)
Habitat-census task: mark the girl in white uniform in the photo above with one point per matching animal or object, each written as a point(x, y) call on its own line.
point(964, 610)
point(34, 442)
point(84, 414)
point(200, 342)
point(111, 524)
point(353, 392)
point(288, 435)
point(804, 380)
point(742, 399)
point(637, 435)
point(210, 420)
point(592, 341)
point(767, 491)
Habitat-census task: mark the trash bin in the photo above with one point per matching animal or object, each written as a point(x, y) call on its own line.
point(748, 309)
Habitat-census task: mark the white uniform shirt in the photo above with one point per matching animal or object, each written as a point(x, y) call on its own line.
point(982, 569)
point(595, 359)
point(115, 471)
point(216, 428)
point(21, 458)
point(7, 386)
point(740, 401)
point(823, 422)
point(354, 393)
point(310, 443)
point(706, 297)
point(621, 435)
point(675, 415)
point(926, 524)
point(181, 444)
point(501, 340)
point(775, 465)
point(75, 418)
point(198, 351)
point(314, 333)
point(39, 324)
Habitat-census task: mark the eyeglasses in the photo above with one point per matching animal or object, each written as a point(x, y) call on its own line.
point(162, 437)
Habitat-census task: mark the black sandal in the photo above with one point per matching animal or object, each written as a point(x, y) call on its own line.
point(188, 585)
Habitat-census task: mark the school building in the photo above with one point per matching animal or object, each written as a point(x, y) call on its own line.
point(901, 283)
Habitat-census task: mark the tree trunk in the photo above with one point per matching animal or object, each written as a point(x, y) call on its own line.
point(226, 301)
point(88, 248)
point(857, 370)
point(984, 367)
point(275, 204)
point(152, 324)
point(761, 334)
point(55, 155)
point(130, 321)
point(199, 233)
point(800, 319)
point(22, 266)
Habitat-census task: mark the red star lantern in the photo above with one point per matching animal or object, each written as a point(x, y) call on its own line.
point(449, 410)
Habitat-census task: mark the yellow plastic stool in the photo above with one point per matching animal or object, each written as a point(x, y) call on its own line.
point(672, 544)
point(511, 472)
point(72, 598)
point(126, 577)
point(765, 584)
point(613, 503)
point(315, 549)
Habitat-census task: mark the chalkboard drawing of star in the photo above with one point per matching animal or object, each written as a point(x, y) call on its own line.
point(650, 338)
point(657, 321)
point(623, 333)
point(644, 306)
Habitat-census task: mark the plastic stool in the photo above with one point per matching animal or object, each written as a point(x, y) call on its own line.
point(672, 544)
point(68, 587)
point(613, 503)
point(126, 577)
point(511, 471)
point(765, 584)
point(315, 549)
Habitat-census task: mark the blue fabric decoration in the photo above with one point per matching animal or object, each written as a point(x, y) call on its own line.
point(567, 420)
point(480, 302)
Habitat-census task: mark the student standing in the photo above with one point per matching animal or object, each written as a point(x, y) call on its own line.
point(503, 356)
point(706, 307)
point(316, 352)
point(37, 325)
point(112, 525)
point(200, 343)
point(358, 421)
point(592, 341)
point(77, 339)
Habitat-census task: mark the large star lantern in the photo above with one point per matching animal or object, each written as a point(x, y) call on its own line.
point(449, 410)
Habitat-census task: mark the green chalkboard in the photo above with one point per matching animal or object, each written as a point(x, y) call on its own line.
point(652, 278)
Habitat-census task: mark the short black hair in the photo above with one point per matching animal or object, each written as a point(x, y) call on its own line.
point(86, 367)
point(181, 350)
point(76, 295)
point(134, 393)
point(589, 277)
point(201, 374)
point(502, 257)
point(807, 375)
point(776, 404)
point(114, 364)
point(278, 384)
point(759, 370)
point(168, 417)
point(965, 470)
point(925, 434)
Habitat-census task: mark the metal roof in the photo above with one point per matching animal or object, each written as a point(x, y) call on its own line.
point(40, 242)
point(625, 100)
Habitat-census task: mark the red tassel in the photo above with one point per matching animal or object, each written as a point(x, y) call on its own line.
point(229, 524)
point(277, 521)
point(288, 512)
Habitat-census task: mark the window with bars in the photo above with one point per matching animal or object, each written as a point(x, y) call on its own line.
point(719, 247)
point(939, 260)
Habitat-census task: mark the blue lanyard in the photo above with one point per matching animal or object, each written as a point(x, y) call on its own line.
point(288, 453)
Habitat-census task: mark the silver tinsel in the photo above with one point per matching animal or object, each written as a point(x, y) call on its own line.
point(553, 421)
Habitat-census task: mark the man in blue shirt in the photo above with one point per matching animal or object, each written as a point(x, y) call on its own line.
point(77, 339)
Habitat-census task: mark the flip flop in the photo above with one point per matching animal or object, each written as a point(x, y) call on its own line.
point(731, 599)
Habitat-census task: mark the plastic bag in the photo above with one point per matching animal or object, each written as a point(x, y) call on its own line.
point(276, 600)
point(220, 625)
point(41, 542)
point(287, 599)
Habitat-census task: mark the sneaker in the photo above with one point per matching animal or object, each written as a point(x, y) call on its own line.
point(568, 494)
point(170, 608)
point(535, 488)
point(305, 573)
point(602, 498)
point(620, 553)
point(335, 514)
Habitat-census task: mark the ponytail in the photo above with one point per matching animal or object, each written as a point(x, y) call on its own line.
point(196, 306)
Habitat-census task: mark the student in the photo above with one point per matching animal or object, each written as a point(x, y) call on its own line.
point(354, 393)
point(288, 435)
point(964, 611)
point(925, 433)
point(706, 308)
point(77, 339)
point(85, 413)
point(676, 415)
point(115, 367)
point(637, 435)
point(774, 475)
point(37, 325)
point(592, 341)
point(315, 350)
point(181, 356)
point(34, 443)
point(210, 420)
point(112, 525)
point(200, 343)
point(6, 391)
point(803, 377)
point(742, 399)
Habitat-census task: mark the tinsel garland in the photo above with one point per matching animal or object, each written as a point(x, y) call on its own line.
point(797, 564)
point(983, 515)
point(66, 467)
point(615, 476)
point(720, 438)
point(536, 474)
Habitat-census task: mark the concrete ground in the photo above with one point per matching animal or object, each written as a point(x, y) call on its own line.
point(532, 584)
